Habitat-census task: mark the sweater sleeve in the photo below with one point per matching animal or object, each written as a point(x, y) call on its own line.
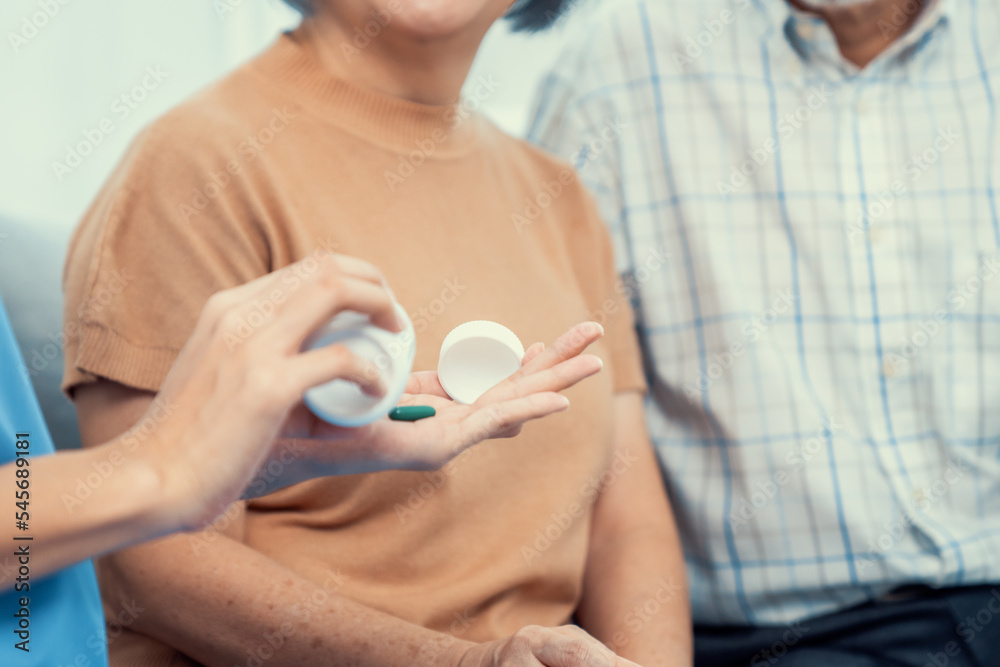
point(608, 297)
point(173, 225)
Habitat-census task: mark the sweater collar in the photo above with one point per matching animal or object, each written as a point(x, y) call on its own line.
point(293, 63)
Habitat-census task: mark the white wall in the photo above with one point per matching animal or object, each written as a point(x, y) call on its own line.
point(68, 76)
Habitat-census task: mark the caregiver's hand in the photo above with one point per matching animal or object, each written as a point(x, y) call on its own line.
point(313, 448)
point(242, 371)
point(533, 646)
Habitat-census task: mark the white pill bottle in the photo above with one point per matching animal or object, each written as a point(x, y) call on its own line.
point(341, 402)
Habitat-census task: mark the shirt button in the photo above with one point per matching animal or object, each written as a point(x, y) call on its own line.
point(807, 30)
point(876, 234)
point(889, 369)
point(861, 107)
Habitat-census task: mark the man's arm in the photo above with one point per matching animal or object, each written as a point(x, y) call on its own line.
point(635, 587)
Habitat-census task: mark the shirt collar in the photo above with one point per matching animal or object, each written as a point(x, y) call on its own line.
point(810, 36)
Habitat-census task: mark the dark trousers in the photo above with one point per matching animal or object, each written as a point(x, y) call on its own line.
point(914, 627)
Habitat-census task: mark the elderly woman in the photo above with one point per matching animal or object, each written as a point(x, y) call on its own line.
point(348, 134)
point(211, 427)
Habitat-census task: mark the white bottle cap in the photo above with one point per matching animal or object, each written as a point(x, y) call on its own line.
point(475, 357)
point(341, 402)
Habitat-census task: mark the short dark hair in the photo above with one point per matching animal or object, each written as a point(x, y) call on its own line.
point(526, 15)
point(536, 15)
point(303, 7)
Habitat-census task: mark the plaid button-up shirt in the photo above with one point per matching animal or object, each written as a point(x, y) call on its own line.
point(824, 340)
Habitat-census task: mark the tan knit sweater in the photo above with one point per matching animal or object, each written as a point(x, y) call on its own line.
point(467, 223)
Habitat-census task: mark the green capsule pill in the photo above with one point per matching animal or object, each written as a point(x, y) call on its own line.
point(411, 413)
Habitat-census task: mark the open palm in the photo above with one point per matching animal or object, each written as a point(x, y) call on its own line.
point(530, 393)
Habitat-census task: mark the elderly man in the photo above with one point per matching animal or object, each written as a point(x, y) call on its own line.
point(822, 342)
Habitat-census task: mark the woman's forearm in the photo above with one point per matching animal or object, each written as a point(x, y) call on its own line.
point(69, 506)
point(233, 603)
point(635, 587)
point(637, 601)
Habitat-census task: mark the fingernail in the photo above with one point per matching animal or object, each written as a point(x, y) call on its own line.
point(399, 314)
